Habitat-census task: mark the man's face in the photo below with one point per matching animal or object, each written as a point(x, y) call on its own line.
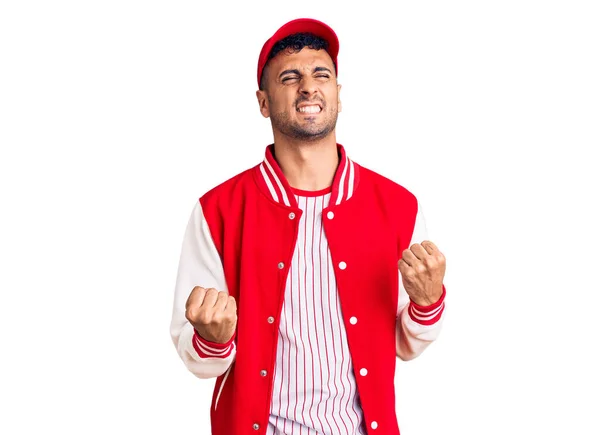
point(301, 95)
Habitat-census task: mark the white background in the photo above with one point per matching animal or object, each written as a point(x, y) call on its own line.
point(115, 116)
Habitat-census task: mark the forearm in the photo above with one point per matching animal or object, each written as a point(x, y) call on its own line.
point(418, 326)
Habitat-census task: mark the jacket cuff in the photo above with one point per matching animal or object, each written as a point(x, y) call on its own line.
point(430, 314)
point(209, 349)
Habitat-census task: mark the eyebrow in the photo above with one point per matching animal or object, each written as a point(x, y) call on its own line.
point(296, 71)
point(322, 68)
point(289, 71)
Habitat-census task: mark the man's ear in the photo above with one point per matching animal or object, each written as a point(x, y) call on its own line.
point(263, 103)
point(339, 100)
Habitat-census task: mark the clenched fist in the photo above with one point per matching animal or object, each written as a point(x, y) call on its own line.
point(212, 313)
point(423, 267)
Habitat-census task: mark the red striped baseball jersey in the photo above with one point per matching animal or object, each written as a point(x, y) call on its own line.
point(315, 391)
point(322, 313)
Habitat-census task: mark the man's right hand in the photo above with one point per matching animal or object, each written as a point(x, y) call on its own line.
point(212, 313)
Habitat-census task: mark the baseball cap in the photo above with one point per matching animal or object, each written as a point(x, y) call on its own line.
point(300, 25)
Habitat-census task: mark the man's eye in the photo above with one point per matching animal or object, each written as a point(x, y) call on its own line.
point(285, 79)
point(324, 76)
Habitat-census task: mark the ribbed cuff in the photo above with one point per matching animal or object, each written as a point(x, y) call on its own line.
point(209, 349)
point(428, 315)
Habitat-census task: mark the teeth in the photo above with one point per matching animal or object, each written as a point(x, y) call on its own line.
point(310, 109)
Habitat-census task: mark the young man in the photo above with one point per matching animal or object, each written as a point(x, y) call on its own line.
point(302, 279)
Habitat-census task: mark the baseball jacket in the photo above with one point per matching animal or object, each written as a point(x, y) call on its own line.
point(240, 239)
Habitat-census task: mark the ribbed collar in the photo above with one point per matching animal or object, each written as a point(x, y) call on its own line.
point(273, 183)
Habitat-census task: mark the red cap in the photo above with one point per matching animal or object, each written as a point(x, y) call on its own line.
point(300, 25)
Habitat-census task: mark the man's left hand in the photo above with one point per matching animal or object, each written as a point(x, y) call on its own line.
point(423, 267)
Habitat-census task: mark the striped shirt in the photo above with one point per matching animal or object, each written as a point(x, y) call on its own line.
point(314, 390)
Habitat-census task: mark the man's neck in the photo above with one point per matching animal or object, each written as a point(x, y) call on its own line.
point(308, 166)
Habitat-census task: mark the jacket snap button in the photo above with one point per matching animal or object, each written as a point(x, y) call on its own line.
point(271, 319)
point(256, 426)
point(280, 265)
point(330, 215)
point(374, 425)
point(363, 372)
point(292, 215)
point(353, 320)
point(263, 373)
point(342, 265)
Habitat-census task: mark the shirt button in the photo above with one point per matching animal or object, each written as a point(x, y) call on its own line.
point(271, 319)
point(263, 373)
point(374, 425)
point(342, 265)
point(280, 265)
point(292, 215)
point(256, 426)
point(363, 372)
point(330, 215)
point(353, 320)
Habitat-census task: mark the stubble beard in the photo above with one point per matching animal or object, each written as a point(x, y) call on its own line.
point(308, 131)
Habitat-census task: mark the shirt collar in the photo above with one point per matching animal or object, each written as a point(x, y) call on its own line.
point(274, 184)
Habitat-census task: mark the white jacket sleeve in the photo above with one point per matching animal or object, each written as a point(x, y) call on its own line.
point(199, 265)
point(416, 326)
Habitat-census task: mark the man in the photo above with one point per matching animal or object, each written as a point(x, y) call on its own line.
point(302, 279)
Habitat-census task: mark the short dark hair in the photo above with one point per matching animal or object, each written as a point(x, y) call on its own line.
point(294, 43)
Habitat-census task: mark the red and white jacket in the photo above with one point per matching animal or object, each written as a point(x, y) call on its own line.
point(241, 238)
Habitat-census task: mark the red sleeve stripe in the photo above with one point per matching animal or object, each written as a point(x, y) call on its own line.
point(425, 319)
point(428, 315)
point(214, 350)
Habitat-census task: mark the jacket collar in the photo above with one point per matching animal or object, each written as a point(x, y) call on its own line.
point(273, 183)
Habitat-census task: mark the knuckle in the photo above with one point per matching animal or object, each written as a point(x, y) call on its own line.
point(204, 318)
point(198, 290)
point(194, 315)
point(190, 314)
point(430, 262)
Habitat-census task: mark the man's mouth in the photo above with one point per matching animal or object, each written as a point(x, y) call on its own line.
point(310, 108)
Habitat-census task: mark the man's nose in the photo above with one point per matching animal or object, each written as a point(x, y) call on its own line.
point(308, 87)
